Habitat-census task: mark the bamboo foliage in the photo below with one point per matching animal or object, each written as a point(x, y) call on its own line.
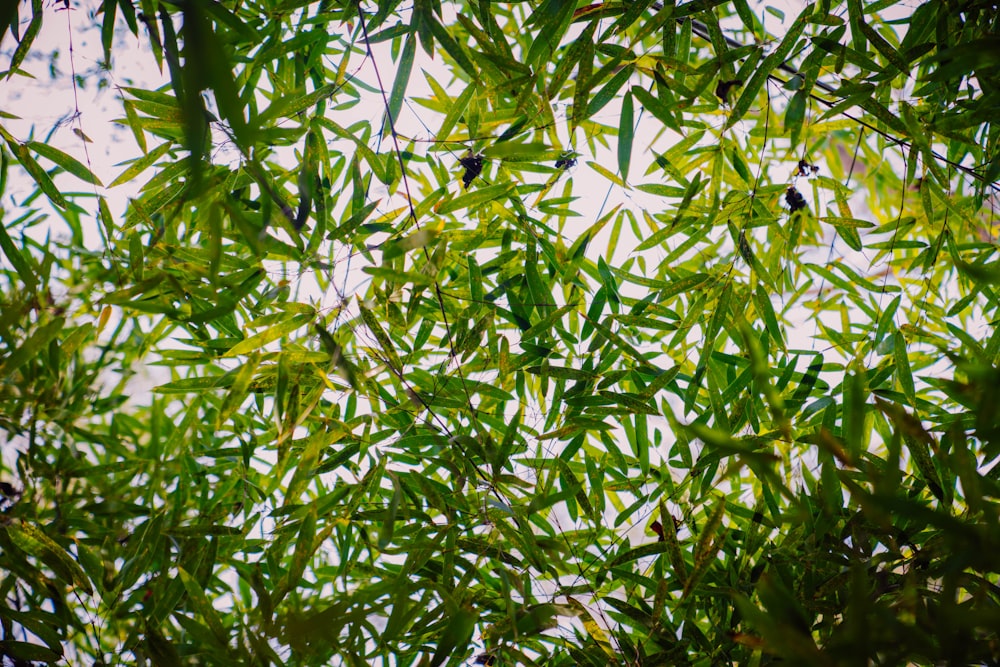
point(544, 333)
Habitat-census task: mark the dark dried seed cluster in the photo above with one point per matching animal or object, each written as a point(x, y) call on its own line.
point(566, 162)
point(794, 199)
point(473, 167)
point(806, 169)
point(9, 495)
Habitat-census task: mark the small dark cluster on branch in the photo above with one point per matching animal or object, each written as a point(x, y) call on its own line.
point(473, 167)
point(566, 162)
point(794, 199)
point(657, 528)
point(806, 169)
point(9, 495)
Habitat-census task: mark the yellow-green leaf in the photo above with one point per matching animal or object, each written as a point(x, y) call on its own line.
point(269, 335)
point(475, 198)
point(141, 164)
point(384, 341)
point(31, 539)
point(41, 177)
point(67, 162)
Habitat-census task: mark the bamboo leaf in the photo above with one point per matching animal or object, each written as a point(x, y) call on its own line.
point(67, 162)
point(31, 539)
point(475, 198)
point(21, 262)
point(602, 97)
point(388, 348)
point(199, 600)
point(40, 176)
point(611, 176)
point(594, 629)
point(141, 164)
point(269, 335)
point(626, 132)
point(295, 103)
point(135, 124)
point(455, 111)
point(403, 69)
point(32, 346)
point(399, 277)
point(709, 543)
point(507, 150)
point(903, 372)
point(27, 39)
point(195, 385)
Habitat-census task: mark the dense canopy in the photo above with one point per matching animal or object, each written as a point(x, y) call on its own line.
point(499, 333)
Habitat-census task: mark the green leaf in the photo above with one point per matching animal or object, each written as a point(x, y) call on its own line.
point(903, 372)
point(305, 544)
point(207, 65)
point(40, 176)
point(141, 164)
point(475, 198)
point(195, 385)
point(27, 39)
point(32, 540)
point(626, 131)
point(608, 92)
point(67, 162)
point(32, 346)
point(641, 551)
point(705, 551)
point(452, 47)
point(560, 372)
point(617, 340)
point(682, 285)
point(199, 600)
point(762, 301)
point(883, 47)
point(544, 326)
point(21, 262)
point(135, 124)
point(28, 652)
point(662, 111)
point(611, 176)
point(460, 623)
point(516, 150)
point(795, 114)
point(136, 259)
point(237, 393)
point(661, 190)
point(850, 223)
point(403, 69)
point(595, 630)
point(295, 103)
point(269, 335)
point(554, 18)
point(455, 111)
point(854, 413)
point(388, 348)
